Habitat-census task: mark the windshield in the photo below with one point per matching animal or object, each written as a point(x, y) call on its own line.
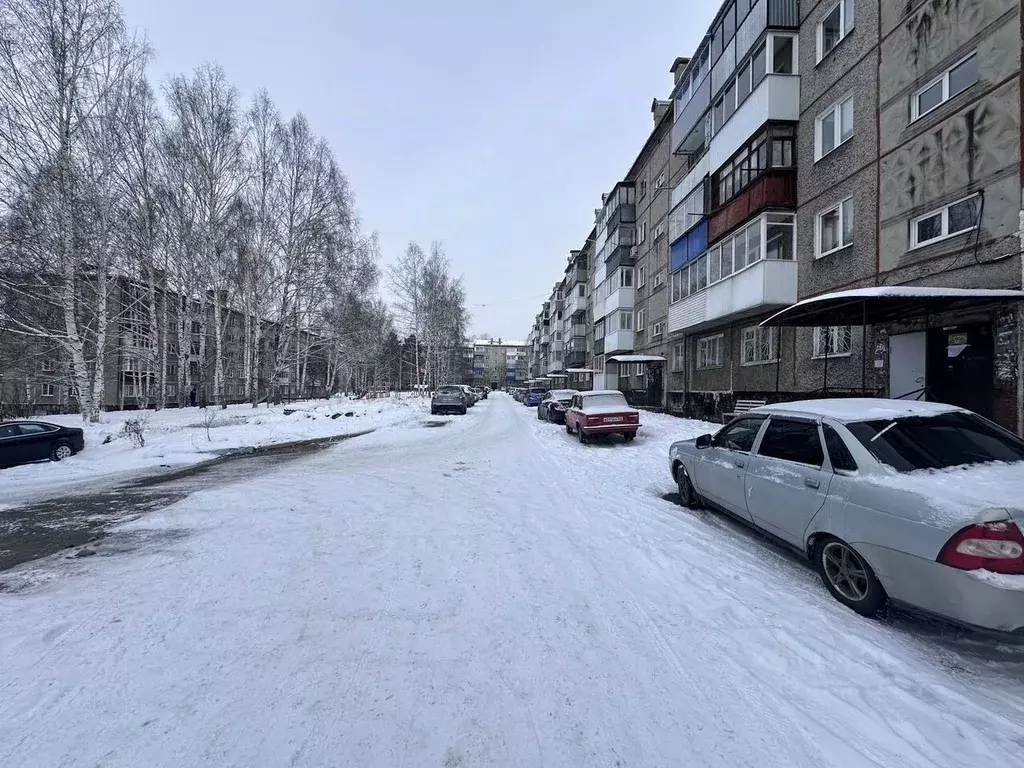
point(936, 442)
point(611, 400)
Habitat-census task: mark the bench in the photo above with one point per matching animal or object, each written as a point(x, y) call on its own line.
point(741, 407)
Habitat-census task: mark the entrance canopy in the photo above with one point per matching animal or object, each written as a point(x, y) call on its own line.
point(580, 370)
point(886, 304)
point(636, 359)
point(557, 376)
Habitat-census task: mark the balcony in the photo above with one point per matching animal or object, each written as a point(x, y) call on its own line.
point(620, 298)
point(579, 331)
point(764, 285)
point(618, 341)
point(619, 249)
point(598, 346)
point(691, 116)
point(578, 272)
point(619, 206)
point(576, 359)
point(777, 97)
point(774, 188)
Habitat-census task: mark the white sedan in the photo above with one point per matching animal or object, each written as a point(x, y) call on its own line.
point(910, 502)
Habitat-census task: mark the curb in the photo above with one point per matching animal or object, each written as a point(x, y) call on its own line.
point(272, 448)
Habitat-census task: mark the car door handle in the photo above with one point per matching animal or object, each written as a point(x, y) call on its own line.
point(810, 482)
point(740, 464)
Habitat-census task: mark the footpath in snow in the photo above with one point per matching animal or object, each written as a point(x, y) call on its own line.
point(179, 437)
point(487, 593)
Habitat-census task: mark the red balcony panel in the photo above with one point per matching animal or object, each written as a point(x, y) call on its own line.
point(771, 189)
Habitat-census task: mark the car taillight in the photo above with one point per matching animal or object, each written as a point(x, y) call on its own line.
point(634, 417)
point(593, 419)
point(996, 547)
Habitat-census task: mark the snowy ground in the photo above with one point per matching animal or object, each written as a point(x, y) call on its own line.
point(178, 437)
point(486, 593)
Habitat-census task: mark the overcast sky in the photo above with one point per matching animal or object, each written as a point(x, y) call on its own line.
point(493, 127)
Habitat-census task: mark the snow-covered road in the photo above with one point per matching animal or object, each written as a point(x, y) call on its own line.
point(485, 593)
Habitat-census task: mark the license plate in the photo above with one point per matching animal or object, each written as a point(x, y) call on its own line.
point(612, 419)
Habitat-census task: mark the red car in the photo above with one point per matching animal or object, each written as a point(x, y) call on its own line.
point(602, 412)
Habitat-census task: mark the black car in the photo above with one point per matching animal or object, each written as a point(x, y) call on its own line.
point(22, 442)
point(552, 407)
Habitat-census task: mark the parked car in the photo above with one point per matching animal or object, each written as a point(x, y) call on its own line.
point(916, 503)
point(601, 412)
point(22, 442)
point(552, 408)
point(480, 393)
point(517, 394)
point(533, 396)
point(448, 399)
point(470, 396)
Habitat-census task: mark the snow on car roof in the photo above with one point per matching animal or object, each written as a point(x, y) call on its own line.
point(859, 408)
point(602, 392)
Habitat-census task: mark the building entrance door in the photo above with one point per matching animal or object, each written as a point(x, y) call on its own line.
point(907, 365)
point(961, 364)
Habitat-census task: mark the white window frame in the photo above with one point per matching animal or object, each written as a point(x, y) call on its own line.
point(818, 253)
point(915, 114)
point(48, 366)
point(836, 333)
point(844, 30)
point(641, 276)
point(625, 320)
point(46, 390)
point(769, 59)
point(705, 361)
point(641, 319)
point(660, 181)
point(659, 230)
point(641, 232)
point(773, 345)
point(836, 110)
point(659, 279)
point(659, 329)
point(946, 234)
point(679, 357)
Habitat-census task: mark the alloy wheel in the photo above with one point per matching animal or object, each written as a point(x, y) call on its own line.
point(845, 571)
point(63, 452)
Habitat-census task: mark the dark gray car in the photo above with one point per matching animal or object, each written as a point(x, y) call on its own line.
point(451, 398)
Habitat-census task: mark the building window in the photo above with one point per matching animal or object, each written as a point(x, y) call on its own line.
point(626, 320)
point(758, 65)
point(772, 149)
point(783, 54)
point(834, 341)
point(709, 352)
point(833, 127)
point(760, 345)
point(950, 83)
point(676, 281)
point(660, 181)
point(678, 357)
point(643, 189)
point(641, 234)
point(49, 366)
point(953, 219)
point(659, 279)
point(659, 328)
point(641, 322)
point(625, 278)
point(46, 390)
point(836, 25)
point(659, 230)
point(834, 229)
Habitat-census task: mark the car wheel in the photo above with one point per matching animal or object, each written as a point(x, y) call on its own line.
point(540, 413)
point(848, 577)
point(568, 429)
point(433, 411)
point(62, 451)
point(687, 495)
point(582, 437)
point(463, 411)
point(629, 437)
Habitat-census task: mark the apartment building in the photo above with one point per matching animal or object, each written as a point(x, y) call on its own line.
point(498, 363)
point(578, 324)
point(732, 227)
point(813, 148)
point(644, 375)
point(910, 175)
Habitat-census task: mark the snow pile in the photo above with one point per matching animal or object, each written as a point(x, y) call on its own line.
point(177, 437)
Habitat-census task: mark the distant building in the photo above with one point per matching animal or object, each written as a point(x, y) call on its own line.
point(498, 363)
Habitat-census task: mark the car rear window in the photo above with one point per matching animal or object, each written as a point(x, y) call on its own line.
point(450, 391)
point(605, 401)
point(937, 442)
point(537, 391)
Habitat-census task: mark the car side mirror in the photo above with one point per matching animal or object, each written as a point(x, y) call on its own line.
point(704, 441)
